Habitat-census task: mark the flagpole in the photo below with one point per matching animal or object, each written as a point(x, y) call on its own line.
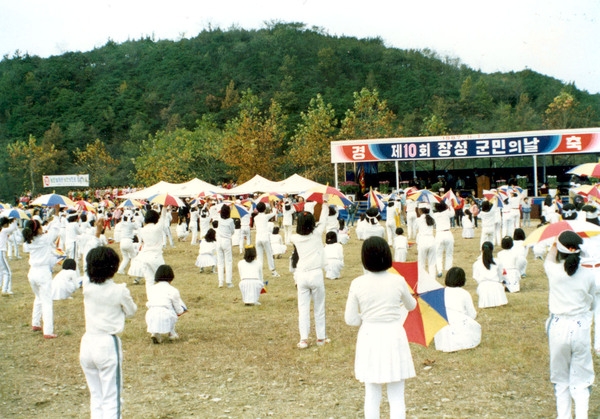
point(335, 168)
point(397, 175)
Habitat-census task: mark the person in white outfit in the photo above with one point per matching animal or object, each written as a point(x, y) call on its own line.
point(308, 274)
point(150, 257)
point(378, 302)
point(251, 277)
point(372, 227)
point(288, 220)
point(488, 223)
point(225, 231)
point(262, 240)
point(444, 240)
point(400, 246)
point(207, 252)
point(245, 237)
point(7, 228)
point(426, 255)
point(411, 218)
point(334, 256)
point(106, 305)
point(391, 212)
point(40, 247)
point(127, 245)
point(488, 275)
point(165, 221)
point(72, 233)
point(205, 221)
point(468, 229)
point(194, 224)
point(164, 306)
point(510, 260)
point(67, 281)
point(571, 299)
point(277, 245)
point(462, 331)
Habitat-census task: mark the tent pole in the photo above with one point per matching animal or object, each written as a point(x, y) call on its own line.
point(397, 175)
point(336, 175)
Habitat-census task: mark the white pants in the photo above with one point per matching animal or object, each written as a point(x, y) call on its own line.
point(244, 237)
point(444, 243)
point(411, 224)
point(487, 235)
point(100, 357)
point(287, 233)
point(571, 364)
point(311, 286)
point(40, 279)
point(5, 273)
point(224, 261)
point(263, 244)
point(390, 228)
point(395, 394)
point(128, 252)
point(194, 228)
point(426, 254)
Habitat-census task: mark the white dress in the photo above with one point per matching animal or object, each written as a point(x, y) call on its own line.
point(251, 281)
point(378, 303)
point(277, 245)
point(64, 284)
point(150, 256)
point(207, 255)
point(490, 289)
point(468, 231)
point(164, 307)
point(510, 263)
point(462, 331)
point(334, 260)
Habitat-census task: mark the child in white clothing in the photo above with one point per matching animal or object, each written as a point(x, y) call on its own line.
point(207, 256)
point(400, 246)
point(334, 256)
point(66, 281)
point(277, 245)
point(164, 305)
point(251, 277)
point(468, 231)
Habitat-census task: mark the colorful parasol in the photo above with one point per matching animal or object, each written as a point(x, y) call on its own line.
point(15, 213)
point(50, 200)
point(82, 205)
point(586, 169)
point(550, 231)
point(130, 203)
point(375, 199)
point(166, 199)
point(4, 206)
point(107, 203)
point(237, 210)
point(450, 198)
point(269, 197)
point(430, 315)
point(424, 195)
point(336, 197)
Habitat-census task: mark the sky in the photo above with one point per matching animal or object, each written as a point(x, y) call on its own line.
point(557, 38)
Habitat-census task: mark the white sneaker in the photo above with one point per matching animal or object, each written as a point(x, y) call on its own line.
point(156, 338)
point(302, 344)
point(275, 274)
point(173, 336)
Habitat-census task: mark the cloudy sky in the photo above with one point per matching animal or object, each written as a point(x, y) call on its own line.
point(554, 37)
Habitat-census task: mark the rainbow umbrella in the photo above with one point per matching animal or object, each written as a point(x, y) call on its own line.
point(166, 199)
point(4, 206)
point(15, 213)
point(430, 315)
point(424, 195)
point(130, 203)
point(586, 169)
point(336, 197)
point(269, 197)
point(375, 199)
point(52, 199)
point(450, 198)
point(550, 231)
point(237, 210)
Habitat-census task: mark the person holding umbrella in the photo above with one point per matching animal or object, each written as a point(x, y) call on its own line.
point(377, 302)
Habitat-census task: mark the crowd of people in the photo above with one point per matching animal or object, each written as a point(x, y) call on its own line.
point(314, 236)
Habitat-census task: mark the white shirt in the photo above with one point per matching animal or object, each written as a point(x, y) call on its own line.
point(106, 307)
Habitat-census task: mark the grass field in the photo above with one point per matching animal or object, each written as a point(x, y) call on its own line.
point(236, 361)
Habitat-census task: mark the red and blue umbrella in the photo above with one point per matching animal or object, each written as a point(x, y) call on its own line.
point(430, 315)
point(424, 195)
point(166, 199)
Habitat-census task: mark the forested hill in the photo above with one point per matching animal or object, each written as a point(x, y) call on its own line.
point(122, 93)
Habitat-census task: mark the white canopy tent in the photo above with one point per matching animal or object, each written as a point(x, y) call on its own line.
point(256, 184)
point(157, 188)
point(296, 184)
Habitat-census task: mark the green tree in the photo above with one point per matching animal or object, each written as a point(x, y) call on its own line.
point(369, 118)
point(253, 140)
point(96, 161)
point(31, 161)
point(309, 150)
